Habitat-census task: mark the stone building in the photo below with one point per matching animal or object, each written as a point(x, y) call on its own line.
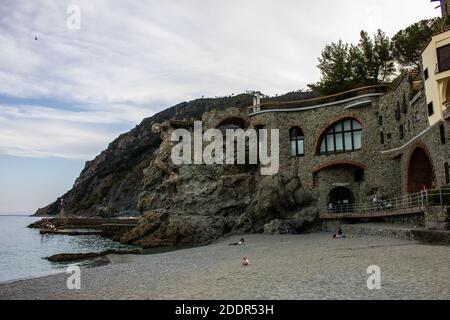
point(349, 146)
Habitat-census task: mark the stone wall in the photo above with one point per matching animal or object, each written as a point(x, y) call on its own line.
point(325, 180)
point(437, 218)
point(400, 116)
point(319, 172)
point(439, 153)
point(416, 132)
point(404, 107)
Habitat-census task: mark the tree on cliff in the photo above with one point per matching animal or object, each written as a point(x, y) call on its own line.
point(373, 62)
point(335, 65)
point(407, 44)
point(344, 66)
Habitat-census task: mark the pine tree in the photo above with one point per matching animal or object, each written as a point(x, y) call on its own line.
point(345, 66)
point(408, 44)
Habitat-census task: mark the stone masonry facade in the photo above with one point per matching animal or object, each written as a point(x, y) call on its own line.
point(394, 126)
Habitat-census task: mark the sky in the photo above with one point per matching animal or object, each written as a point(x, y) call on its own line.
point(97, 70)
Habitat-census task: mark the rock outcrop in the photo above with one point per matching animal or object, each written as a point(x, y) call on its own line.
point(69, 257)
point(204, 203)
point(110, 185)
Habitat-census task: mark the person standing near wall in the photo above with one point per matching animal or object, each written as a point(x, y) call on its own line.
point(424, 194)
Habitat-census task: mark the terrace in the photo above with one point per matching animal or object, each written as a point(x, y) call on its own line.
point(354, 97)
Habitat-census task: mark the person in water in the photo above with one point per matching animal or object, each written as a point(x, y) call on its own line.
point(245, 263)
point(240, 243)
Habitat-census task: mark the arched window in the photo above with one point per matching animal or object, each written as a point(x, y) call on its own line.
point(342, 136)
point(297, 142)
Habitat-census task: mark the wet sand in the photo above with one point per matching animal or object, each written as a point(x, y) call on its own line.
point(310, 266)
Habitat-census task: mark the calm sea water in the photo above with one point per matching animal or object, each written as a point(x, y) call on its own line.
point(22, 249)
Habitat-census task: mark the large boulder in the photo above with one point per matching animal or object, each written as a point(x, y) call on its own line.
point(278, 226)
point(305, 220)
point(299, 223)
point(203, 203)
point(303, 197)
point(149, 223)
point(280, 197)
point(161, 228)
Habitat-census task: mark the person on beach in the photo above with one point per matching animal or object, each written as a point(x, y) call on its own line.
point(375, 201)
point(339, 234)
point(240, 243)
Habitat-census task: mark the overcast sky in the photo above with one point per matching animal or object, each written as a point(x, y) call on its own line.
point(66, 95)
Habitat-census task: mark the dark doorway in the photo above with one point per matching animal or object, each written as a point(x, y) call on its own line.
point(420, 171)
point(341, 197)
point(233, 123)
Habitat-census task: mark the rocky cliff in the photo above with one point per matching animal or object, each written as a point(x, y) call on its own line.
point(190, 204)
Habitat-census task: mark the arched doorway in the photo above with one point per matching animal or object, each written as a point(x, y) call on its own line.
point(341, 196)
point(420, 171)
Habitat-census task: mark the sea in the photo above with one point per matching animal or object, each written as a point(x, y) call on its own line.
point(22, 249)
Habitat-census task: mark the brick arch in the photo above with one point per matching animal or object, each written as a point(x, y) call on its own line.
point(300, 129)
point(287, 127)
point(258, 124)
point(332, 122)
point(339, 162)
point(239, 121)
point(419, 166)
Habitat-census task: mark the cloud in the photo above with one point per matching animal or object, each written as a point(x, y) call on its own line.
point(132, 59)
point(113, 114)
point(37, 131)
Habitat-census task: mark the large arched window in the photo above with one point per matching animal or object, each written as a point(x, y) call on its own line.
point(342, 136)
point(297, 142)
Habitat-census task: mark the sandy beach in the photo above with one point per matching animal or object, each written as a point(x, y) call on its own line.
point(281, 267)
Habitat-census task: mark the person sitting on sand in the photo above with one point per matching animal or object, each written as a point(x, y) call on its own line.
point(240, 243)
point(339, 234)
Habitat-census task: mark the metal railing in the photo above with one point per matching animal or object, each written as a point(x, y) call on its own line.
point(428, 198)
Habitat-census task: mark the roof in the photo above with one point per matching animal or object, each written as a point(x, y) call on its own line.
point(447, 28)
